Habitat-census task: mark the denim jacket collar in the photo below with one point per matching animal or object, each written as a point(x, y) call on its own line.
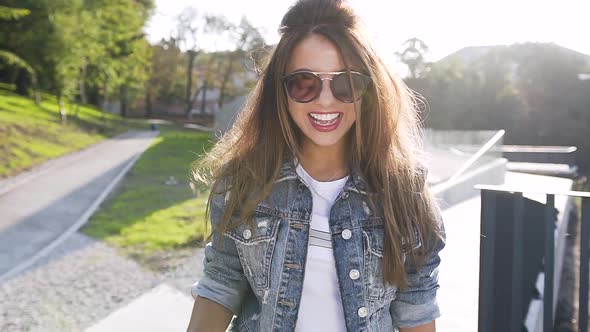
point(354, 183)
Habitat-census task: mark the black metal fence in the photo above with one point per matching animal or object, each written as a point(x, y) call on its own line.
point(517, 243)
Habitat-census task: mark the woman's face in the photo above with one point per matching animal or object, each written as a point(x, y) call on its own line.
point(325, 120)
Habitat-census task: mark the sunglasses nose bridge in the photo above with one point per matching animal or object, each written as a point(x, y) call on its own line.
point(321, 95)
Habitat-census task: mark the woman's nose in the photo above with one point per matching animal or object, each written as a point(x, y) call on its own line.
point(326, 97)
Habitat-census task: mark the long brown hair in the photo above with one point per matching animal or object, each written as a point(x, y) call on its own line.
point(385, 138)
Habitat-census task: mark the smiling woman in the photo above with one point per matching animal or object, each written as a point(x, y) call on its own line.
point(313, 104)
point(321, 219)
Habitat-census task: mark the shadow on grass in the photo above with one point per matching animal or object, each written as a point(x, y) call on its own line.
point(13, 104)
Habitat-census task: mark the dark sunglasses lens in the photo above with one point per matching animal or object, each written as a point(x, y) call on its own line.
point(342, 90)
point(303, 87)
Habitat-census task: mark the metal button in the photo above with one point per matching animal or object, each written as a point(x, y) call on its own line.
point(247, 234)
point(346, 234)
point(354, 274)
point(362, 312)
point(344, 195)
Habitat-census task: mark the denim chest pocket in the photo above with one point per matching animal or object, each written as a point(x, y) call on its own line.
point(255, 245)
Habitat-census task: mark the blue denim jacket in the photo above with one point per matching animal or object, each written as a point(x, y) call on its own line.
point(257, 272)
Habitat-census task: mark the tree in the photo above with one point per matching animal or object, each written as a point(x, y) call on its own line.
point(192, 27)
point(80, 46)
point(64, 51)
point(168, 80)
point(123, 57)
point(413, 56)
point(12, 59)
point(247, 38)
point(188, 30)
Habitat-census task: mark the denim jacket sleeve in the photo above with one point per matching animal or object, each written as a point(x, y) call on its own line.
point(223, 279)
point(416, 305)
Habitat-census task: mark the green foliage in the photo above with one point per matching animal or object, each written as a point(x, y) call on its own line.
point(148, 214)
point(96, 51)
point(12, 59)
point(168, 80)
point(78, 45)
point(8, 13)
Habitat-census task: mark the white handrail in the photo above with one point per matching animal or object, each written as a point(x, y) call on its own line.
point(477, 155)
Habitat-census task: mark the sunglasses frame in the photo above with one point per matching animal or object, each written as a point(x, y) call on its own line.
point(322, 79)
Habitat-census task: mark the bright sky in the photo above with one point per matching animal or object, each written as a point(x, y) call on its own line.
point(445, 26)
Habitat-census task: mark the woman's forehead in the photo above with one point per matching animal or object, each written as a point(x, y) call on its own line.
point(316, 53)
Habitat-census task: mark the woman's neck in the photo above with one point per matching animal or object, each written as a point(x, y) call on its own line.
point(324, 163)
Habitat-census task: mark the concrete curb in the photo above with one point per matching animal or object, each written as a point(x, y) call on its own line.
point(73, 228)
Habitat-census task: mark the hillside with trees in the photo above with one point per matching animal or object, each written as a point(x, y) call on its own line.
point(535, 91)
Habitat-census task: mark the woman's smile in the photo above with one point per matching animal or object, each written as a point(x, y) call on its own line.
point(325, 121)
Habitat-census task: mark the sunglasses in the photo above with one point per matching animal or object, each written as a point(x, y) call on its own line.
point(305, 86)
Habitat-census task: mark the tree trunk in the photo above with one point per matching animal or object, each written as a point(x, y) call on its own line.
point(22, 85)
point(36, 91)
point(226, 77)
point(204, 99)
point(82, 86)
point(189, 81)
point(123, 92)
point(62, 109)
point(148, 104)
point(105, 101)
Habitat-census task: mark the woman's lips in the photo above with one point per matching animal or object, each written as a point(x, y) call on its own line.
point(325, 125)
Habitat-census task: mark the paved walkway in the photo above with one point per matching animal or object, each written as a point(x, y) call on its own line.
point(150, 312)
point(51, 204)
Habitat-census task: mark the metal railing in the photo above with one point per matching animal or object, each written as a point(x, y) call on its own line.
point(497, 313)
point(540, 154)
point(487, 146)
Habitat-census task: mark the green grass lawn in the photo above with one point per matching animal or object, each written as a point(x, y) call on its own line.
point(31, 134)
point(147, 215)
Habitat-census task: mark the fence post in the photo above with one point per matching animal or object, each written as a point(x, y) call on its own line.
point(585, 227)
point(516, 280)
point(486, 262)
point(549, 264)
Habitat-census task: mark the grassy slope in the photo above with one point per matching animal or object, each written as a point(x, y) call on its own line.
point(146, 214)
point(31, 134)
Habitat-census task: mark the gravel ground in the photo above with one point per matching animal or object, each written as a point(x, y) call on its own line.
point(83, 281)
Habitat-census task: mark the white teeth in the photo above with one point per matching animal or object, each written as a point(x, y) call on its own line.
point(324, 117)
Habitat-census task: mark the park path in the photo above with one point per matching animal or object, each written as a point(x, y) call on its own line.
point(43, 208)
